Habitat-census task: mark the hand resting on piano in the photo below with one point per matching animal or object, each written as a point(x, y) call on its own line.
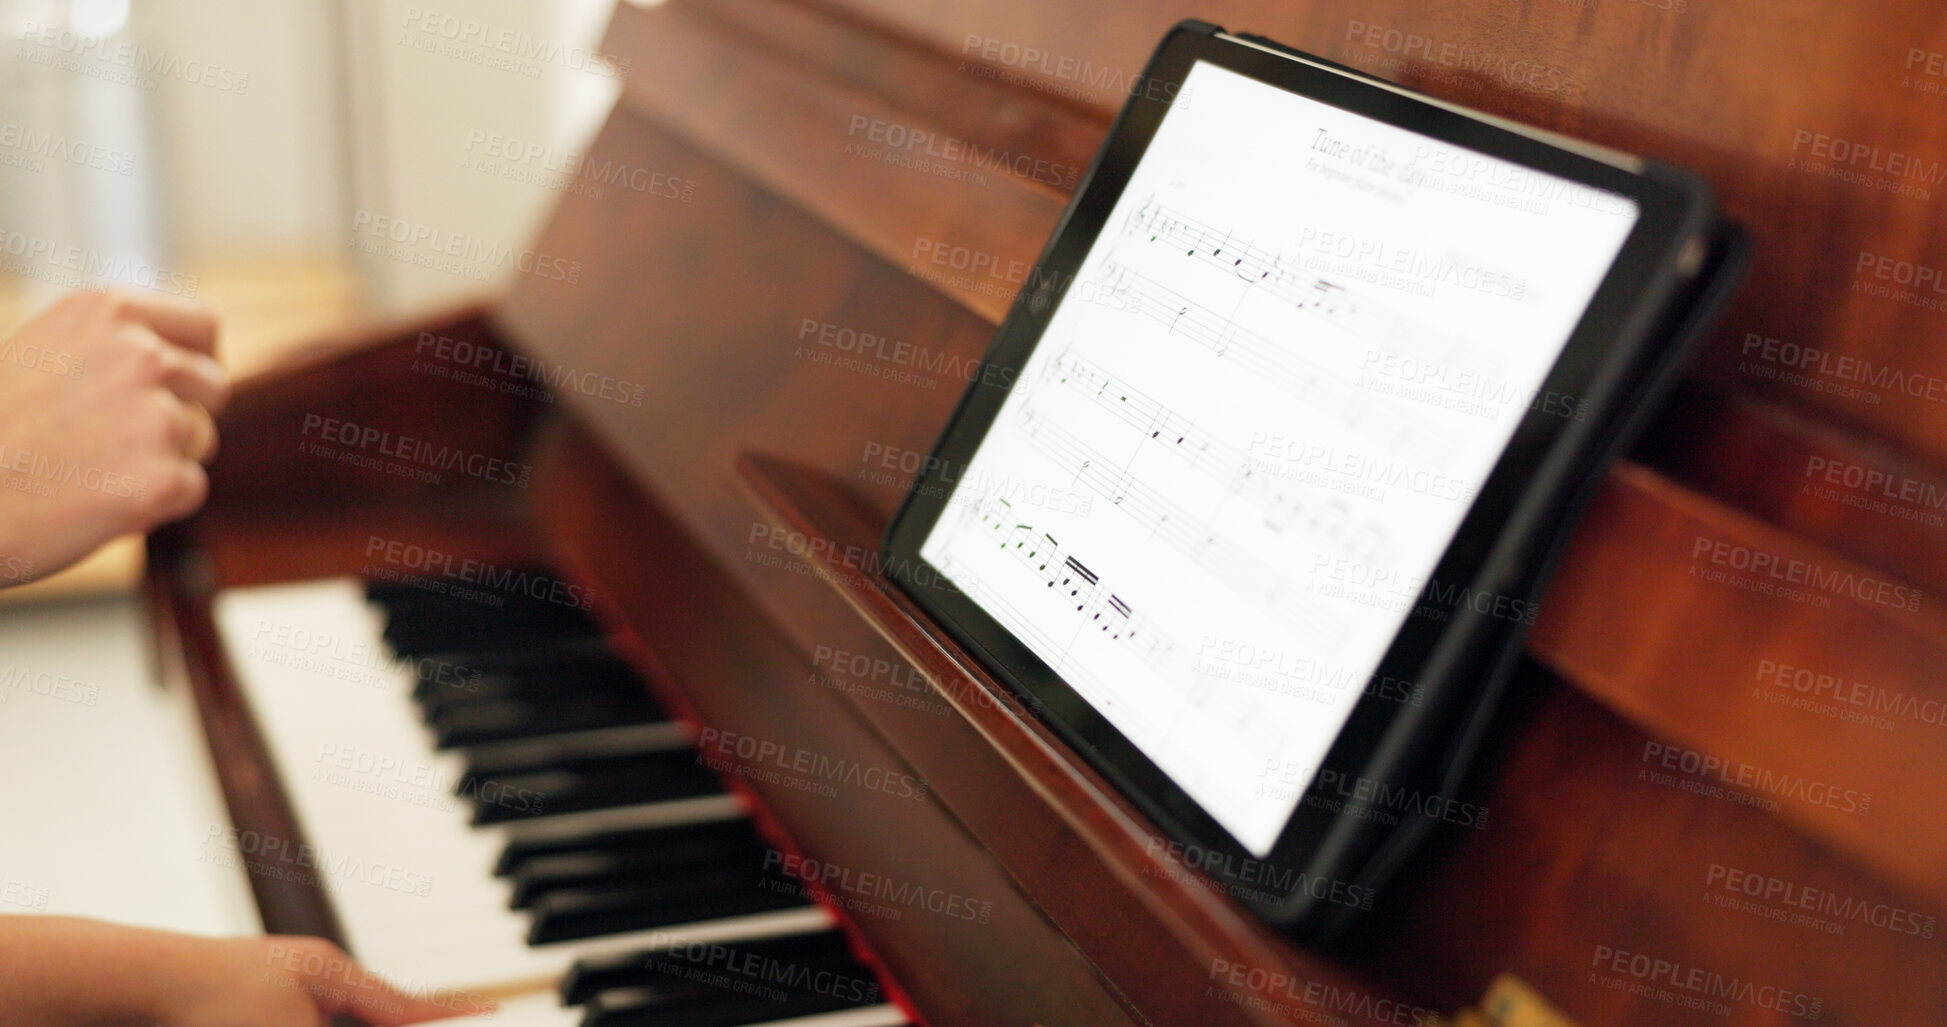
point(62, 971)
point(105, 421)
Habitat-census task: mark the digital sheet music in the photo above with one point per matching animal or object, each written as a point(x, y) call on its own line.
point(1257, 418)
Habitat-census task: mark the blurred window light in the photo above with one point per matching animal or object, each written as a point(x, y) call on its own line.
point(98, 19)
point(25, 15)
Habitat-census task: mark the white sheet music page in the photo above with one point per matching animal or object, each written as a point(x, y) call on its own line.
point(1256, 419)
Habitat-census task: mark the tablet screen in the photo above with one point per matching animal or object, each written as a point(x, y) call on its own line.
point(1223, 477)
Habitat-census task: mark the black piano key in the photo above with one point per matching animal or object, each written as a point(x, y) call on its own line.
point(638, 1007)
point(501, 760)
point(720, 877)
point(574, 871)
point(505, 720)
point(569, 915)
point(768, 957)
point(659, 777)
point(420, 621)
point(538, 875)
point(413, 600)
point(540, 661)
point(604, 677)
point(411, 636)
point(726, 835)
point(569, 748)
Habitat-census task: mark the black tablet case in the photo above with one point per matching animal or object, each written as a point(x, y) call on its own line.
point(1484, 678)
point(1433, 747)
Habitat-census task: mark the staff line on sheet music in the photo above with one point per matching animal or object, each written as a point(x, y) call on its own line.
point(1135, 498)
point(1280, 275)
point(1252, 351)
point(1327, 520)
point(1021, 624)
point(1095, 688)
point(1177, 527)
point(1136, 408)
point(1238, 567)
point(1394, 339)
point(1060, 569)
point(1245, 262)
point(1160, 653)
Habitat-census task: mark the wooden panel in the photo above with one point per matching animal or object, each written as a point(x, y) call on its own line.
point(1061, 128)
point(809, 344)
point(1586, 856)
point(435, 412)
point(1700, 624)
point(384, 411)
point(863, 158)
point(1857, 495)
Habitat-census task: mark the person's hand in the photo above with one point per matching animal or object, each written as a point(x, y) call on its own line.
point(62, 971)
point(105, 419)
point(284, 982)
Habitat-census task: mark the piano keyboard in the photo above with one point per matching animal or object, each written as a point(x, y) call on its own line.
point(498, 808)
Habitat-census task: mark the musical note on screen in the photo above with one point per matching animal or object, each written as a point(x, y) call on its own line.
point(1271, 485)
point(1096, 607)
point(1280, 361)
point(1163, 514)
point(1289, 277)
point(1269, 271)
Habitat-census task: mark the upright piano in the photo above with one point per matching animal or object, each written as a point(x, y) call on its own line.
point(543, 648)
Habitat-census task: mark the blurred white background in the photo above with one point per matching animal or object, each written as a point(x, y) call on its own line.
point(251, 151)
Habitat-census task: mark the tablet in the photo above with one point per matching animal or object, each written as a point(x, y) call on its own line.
point(1254, 494)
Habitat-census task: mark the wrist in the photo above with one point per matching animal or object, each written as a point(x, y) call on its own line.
point(161, 968)
point(68, 970)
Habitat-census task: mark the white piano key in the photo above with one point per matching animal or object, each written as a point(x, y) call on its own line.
point(621, 818)
point(886, 1015)
point(544, 966)
point(540, 1009)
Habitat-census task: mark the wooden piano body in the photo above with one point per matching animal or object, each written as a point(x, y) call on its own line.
point(746, 376)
